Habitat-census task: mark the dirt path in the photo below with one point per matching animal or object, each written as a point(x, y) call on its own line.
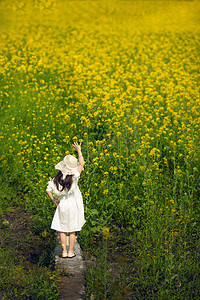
point(71, 286)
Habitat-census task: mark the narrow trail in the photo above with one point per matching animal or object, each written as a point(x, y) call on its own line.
point(71, 286)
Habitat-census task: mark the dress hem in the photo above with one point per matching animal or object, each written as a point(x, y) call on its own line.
point(68, 231)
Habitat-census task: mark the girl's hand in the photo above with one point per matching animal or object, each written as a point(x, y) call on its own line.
point(77, 146)
point(51, 196)
point(80, 157)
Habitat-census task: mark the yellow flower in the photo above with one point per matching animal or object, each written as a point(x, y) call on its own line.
point(44, 233)
point(106, 232)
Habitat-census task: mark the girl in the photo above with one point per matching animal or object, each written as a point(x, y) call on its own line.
point(69, 214)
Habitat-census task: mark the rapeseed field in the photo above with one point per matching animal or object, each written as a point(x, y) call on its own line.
point(122, 77)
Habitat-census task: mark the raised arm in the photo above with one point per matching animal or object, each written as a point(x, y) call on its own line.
point(80, 157)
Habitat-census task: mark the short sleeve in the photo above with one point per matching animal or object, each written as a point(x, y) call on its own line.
point(77, 174)
point(50, 186)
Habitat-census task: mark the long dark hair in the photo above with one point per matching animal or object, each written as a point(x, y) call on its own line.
point(67, 183)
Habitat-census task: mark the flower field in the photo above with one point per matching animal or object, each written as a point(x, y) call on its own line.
point(122, 78)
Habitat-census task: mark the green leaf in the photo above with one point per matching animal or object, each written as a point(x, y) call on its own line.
point(94, 211)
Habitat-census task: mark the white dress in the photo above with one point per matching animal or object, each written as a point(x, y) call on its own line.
point(69, 214)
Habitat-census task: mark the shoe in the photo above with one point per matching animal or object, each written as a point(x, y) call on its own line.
point(64, 254)
point(71, 256)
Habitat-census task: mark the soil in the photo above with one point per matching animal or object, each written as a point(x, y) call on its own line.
point(18, 233)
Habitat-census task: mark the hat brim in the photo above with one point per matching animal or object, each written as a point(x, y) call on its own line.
point(66, 169)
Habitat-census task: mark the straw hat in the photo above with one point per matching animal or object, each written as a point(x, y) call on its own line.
point(68, 165)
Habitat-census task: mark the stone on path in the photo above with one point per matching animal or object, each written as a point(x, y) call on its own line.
point(73, 288)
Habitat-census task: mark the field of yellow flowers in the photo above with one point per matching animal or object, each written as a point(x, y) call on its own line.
point(122, 78)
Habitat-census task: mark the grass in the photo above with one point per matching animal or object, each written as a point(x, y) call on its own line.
point(122, 77)
point(27, 261)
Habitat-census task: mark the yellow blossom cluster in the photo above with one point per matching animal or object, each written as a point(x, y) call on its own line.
point(119, 76)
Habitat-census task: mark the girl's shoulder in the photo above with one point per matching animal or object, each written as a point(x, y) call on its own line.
point(51, 180)
point(49, 186)
point(52, 187)
point(77, 174)
point(51, 183)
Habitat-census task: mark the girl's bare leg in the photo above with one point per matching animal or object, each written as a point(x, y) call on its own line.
point(63, 239)
point(72, 239)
